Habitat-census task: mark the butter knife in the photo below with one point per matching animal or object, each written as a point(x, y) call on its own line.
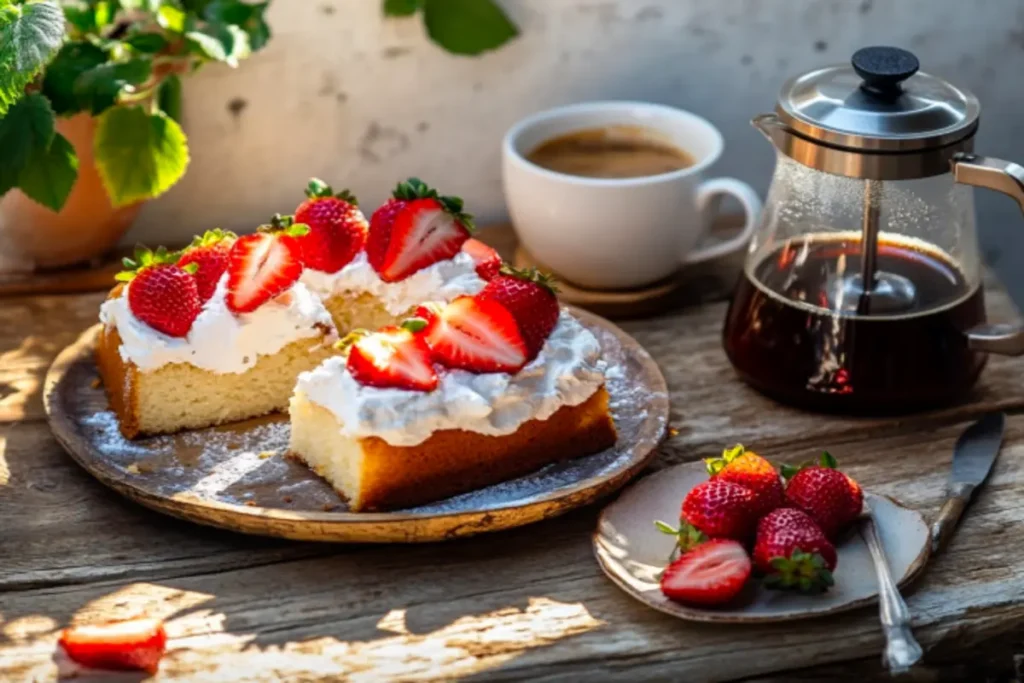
point(975, 451)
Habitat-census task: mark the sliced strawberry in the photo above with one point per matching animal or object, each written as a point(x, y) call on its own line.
point(480, 336)
point(393, 357)
point(210, 254)
point(488, 261)
point(711, 574)
point(263, 265)
point(529, 295)
point(414, 229)
point(134, 644)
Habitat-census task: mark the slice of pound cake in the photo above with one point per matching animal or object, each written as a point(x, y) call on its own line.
point(214, 334)
point(467, 394)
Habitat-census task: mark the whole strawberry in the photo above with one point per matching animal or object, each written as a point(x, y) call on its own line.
point(751, 471)
point(830, 497)
point(530, 297)
point(720, 509)
point(210, 254)
point(337, 228)
point(414, 229)
point(161, 293)
point(793, 552)
point(263, 265)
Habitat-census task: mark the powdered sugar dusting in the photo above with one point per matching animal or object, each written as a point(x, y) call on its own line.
point(246, 464)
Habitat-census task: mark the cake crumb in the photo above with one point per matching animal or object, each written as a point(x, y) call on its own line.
point(328, 507)
point(133, 469)
point(96, 383)
point(267, 454)
point(250, 503)
point(672, 431)
point(287, 499)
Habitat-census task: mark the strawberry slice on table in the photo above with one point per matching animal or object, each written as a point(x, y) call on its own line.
point(126, 645)
point(793, 552)
point(393, 357)
point(209, 252)
point(263, 265)
point(414, 229)
point(161, 293)
point(488, 261)
point(337, 228)
point(831, 498)
point(710, 574)
point(751, 471)
point(529, 296)
point(476, 335)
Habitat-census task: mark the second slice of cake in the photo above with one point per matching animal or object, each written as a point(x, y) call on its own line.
point(493, 387)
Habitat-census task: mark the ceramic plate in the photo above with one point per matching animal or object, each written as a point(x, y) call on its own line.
point(237, 477)
point(633, 553)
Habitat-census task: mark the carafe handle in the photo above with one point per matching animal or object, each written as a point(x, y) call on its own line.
point(1008, 178)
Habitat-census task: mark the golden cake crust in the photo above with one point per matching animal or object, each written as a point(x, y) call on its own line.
point(455, 461)
point(119, 380)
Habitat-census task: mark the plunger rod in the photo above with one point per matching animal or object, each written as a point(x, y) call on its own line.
point(868, 244)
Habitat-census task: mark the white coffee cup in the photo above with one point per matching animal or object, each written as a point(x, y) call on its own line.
point(617, 233)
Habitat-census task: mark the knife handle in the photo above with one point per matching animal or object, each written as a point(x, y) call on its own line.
point(950, 514)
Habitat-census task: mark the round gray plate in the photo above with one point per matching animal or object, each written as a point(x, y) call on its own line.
point(633, 554)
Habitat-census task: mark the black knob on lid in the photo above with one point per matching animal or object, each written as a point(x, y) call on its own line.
point(883, 69)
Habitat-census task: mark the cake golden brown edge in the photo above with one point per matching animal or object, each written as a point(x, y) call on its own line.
point(455, 461)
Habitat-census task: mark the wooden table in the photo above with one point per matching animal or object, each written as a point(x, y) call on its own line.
point(526, 604)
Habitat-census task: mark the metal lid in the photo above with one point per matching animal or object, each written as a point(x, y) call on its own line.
point(879, 103)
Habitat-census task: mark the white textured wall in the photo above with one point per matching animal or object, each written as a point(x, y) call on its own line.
point(361, 101)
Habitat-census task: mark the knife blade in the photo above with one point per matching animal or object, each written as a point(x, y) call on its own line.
point(973, 455)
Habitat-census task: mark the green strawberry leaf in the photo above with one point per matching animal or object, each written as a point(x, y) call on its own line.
point(72, 61)
point(27, 127)
point(666, 528)
point(467, 27)
point(402, 8)
point(789, 471)
point(414, 325)
point(139, 155)
point(30, 34)
point(169, 97)
point(99, 87)
point(147, 43)
point(50, 173)
point(827, 460)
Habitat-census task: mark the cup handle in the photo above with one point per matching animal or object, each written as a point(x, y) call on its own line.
point(708, 193)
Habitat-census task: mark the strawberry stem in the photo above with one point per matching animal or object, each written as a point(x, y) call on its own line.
point(545, 280)
point(414, 188)
point(414, 325)
point(318, 189)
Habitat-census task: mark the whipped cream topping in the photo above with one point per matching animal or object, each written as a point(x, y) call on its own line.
point(568, 370)
point(220, 341)
point(441, 281)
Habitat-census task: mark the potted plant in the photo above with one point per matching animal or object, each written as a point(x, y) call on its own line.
point(90, 102)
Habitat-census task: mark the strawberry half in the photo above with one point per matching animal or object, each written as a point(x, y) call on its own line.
point(710, 574)
point(125, 645)
point(529, 296)
point(393, 357)
point(263, 265)
point(210, 254)
point(161, 293)
point(488, 261)
point(476, 335)
point(415, 229)
point(337, 228)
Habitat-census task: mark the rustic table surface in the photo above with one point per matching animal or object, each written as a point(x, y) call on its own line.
point(525, 604)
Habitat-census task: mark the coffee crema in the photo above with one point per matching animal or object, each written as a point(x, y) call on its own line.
point(610, 152)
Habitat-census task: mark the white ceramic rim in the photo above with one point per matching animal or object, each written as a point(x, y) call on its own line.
point(511, 151)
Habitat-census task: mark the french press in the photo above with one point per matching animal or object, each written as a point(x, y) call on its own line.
point(862, 289)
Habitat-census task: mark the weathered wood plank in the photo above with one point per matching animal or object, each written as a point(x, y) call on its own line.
point(528, 604)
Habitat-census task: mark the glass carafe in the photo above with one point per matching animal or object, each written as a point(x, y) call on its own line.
point(862, 289)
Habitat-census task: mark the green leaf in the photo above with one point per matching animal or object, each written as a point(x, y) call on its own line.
point(169, 97)
point(144, 5)
point(80, 15)
point(97, 89)
point(402, 8)
point(30, 34)
point(666, 528)
point(231, 11)
point(71, 62)
point(104, 13)
point(50, 174)
point(148, 43)
point(171, 18)
point(221, 43)
point(27, 127)
point(789, 471)
point(827, 460)
point(467, 27)
point(139, 155)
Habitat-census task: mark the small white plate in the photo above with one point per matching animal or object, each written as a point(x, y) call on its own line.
point(633, 553)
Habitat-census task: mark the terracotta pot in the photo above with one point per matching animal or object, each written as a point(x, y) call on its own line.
point(32, 236)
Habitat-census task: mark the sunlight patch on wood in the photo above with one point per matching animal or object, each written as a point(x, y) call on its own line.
point(5, 469)
point(142, 600)
point(28, 627)
point(468, 645)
